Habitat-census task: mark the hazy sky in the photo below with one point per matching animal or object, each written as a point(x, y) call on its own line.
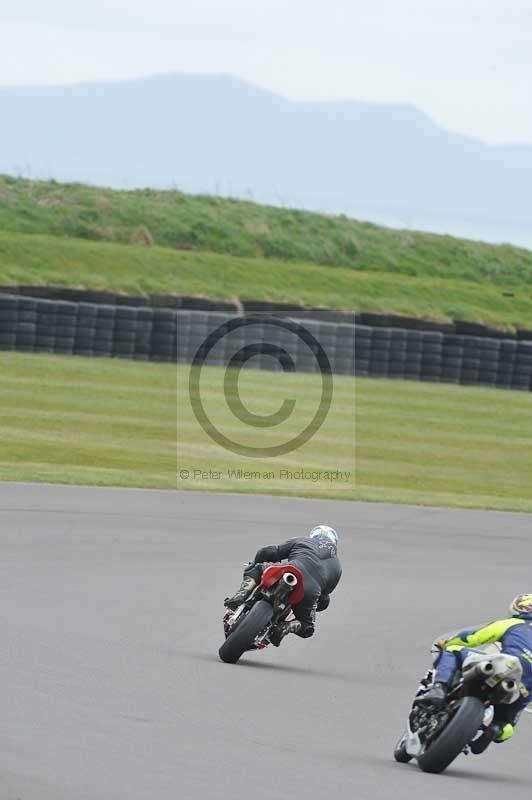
point(466, 62)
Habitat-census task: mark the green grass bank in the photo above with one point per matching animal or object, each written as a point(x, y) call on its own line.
point(187, 222)
point(149, 241)
point(54, 261)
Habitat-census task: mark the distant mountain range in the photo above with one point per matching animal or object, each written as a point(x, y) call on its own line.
point(219, 135)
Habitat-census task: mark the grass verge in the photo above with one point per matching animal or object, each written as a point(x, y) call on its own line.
point(120, 423)
point(55, 261)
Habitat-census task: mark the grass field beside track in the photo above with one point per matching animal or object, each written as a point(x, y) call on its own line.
point(56, 261)
point(116, 423)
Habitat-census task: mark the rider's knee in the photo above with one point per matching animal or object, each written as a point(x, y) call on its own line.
point(253, 571)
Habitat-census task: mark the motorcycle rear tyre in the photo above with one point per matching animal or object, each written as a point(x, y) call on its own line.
point(461, 729)
point(242, 638)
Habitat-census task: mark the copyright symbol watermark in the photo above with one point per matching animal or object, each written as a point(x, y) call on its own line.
point(286, 342)
point(184, 474)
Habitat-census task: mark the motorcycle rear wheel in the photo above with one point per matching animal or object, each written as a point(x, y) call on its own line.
point(458, 733)
point(242, 638)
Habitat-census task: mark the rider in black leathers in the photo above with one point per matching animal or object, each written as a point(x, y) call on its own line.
point(316, 556)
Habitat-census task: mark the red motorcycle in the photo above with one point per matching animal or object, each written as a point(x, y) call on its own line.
point(269, 605)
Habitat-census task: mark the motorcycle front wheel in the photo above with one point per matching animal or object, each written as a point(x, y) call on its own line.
point(242, 638)
point(400, 753)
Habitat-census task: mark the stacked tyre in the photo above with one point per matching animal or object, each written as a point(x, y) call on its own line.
point(397, 353)
point(66, 324)
point(163, 344)
point(431, 356)
point(359, 339)
point(452, 357)
point(380, 352)
point(522, 374)
point(414, 355)
point(8, 322)
point(85, 331)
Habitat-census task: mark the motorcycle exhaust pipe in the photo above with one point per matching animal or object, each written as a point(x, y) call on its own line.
point(482, 669)
point(507, 692)
point(290, 579)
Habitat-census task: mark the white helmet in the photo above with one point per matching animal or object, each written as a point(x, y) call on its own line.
point(324, 532)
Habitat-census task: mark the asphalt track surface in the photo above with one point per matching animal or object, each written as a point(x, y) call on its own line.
point(110, 683)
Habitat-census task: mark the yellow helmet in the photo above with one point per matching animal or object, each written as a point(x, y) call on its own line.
point(521, 606)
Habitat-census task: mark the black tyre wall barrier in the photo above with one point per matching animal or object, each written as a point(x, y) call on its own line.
point(235, 307)
point(33, 325)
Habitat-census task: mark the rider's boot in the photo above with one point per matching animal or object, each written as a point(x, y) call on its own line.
point(280, 631)
point(242, 594)
point(436, 696)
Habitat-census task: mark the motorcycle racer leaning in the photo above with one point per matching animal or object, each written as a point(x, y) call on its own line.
point(515, 638)
point(316, 556)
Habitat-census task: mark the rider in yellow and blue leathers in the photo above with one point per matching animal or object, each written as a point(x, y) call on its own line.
point(515, 637)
